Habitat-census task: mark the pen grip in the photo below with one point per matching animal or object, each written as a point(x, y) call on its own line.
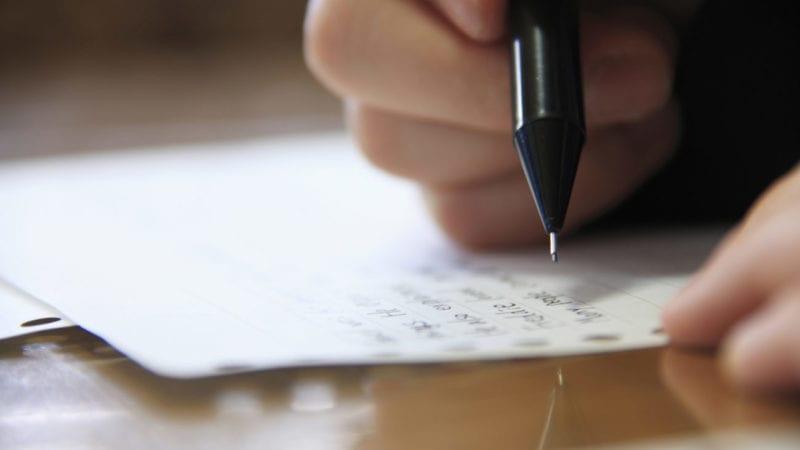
point(546, 61)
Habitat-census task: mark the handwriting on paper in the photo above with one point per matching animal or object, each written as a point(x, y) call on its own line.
point(234, 258)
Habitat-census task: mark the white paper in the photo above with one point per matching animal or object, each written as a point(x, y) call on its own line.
point(196, 261)
point(20, 314)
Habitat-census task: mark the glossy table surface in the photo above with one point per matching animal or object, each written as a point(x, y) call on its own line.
point(68, 389)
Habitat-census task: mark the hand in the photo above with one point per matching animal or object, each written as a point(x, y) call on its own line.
point(426, 85)
point(747, 297)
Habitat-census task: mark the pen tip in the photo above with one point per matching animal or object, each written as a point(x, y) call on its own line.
point(554, 247)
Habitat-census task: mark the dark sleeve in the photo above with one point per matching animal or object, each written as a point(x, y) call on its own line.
point(739, 86)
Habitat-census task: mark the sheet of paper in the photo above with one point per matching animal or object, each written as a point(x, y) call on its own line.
point(20, 314)
point(211, 259)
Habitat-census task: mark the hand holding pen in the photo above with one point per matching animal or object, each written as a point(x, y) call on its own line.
point(427, 90)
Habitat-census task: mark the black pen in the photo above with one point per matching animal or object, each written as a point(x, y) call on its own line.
point(547, 99)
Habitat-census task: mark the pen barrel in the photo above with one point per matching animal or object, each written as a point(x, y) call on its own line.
point(546, 61)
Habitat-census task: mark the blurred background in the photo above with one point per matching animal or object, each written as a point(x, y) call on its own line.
point(82, 75)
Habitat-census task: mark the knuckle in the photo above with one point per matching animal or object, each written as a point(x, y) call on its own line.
point(634, 56)
point(493, 13)
point(455, 216)
point(492, 8)
point(657, 74)
point(375, 138)
point(326, 38)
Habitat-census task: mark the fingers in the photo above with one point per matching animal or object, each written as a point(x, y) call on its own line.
point(488, 215)
point(735, 282)
point(500, 212)
point(441, 155)
point(480, 20)
point(748, 295)
point(428, 152)
point(399, 56)
point(428, 86)
point(755, 263)
point(763, 352)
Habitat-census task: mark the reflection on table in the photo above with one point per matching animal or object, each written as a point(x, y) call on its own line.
point(67, 389)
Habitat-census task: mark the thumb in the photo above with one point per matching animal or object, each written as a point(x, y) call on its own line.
point(481, 20)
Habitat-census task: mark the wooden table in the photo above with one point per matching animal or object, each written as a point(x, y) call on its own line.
point(68, 389)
